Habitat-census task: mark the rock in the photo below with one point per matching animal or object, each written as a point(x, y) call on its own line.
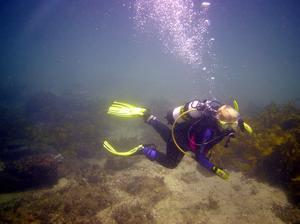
point(29, 170)
point(16, 151)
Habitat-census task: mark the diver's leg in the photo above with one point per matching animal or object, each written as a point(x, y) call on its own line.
point(169, 160)
point(173, 156)
point(163, 130)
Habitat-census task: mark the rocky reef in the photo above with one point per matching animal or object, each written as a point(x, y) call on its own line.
point(38, 134)
point(51, 151)
point(36, 170)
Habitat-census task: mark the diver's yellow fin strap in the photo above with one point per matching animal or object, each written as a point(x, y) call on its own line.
point(248, 128)
point(111, 149)
point(125, 110)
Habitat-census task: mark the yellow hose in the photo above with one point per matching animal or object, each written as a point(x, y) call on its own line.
point(173, 128)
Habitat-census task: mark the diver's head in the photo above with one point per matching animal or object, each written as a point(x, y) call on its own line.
point(228, 118)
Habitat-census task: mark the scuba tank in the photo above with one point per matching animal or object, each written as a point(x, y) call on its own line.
point(196, 109)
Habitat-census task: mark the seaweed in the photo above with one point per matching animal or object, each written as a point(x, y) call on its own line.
point(75, 127)
point(78, 201)
point(272, 153)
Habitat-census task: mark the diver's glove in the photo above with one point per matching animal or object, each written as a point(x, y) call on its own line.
point(220, 172)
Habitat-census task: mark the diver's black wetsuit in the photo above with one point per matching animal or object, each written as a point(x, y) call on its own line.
point(173, 156)
point(196, 135)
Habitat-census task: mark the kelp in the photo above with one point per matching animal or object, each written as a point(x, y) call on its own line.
point(272, 153)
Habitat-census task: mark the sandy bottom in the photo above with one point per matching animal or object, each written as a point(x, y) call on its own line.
point(190, 194)
point(118, 190)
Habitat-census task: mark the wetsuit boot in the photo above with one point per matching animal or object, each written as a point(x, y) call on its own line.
point(150, 151)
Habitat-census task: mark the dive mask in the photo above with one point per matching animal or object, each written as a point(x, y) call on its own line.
point(234, 125)
point(229, 125)
point(243, 126)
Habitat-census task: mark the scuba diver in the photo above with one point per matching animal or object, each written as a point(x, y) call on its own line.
point(196, 126)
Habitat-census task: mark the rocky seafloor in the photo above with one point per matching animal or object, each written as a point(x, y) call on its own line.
point(53, 169)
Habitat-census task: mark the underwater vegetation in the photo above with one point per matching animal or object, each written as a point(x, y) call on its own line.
point(50, 151)
point(272, 153)
point(70, 125)
point(76, 200)
point(37, 135)
point(34, 170)
point(86, 191)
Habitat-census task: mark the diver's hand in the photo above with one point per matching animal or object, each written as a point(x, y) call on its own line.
point(221, 173)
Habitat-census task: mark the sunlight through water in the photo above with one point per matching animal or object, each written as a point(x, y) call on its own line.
point(181, 26)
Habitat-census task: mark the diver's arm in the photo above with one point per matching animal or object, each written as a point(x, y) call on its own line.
point(203, 149)
point(204, 161)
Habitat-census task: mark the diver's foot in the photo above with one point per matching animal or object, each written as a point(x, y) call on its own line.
point(149, 150)
point(148, 116)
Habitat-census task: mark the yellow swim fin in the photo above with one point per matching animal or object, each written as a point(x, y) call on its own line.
point(111, 149)
point(125, 110)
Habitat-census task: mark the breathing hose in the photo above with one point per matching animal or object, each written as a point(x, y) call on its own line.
point(173, 130)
